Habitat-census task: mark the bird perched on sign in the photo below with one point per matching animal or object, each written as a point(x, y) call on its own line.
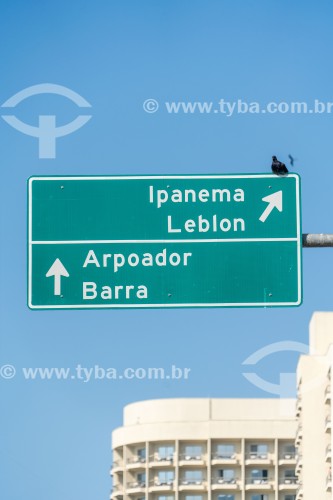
point(278, 167)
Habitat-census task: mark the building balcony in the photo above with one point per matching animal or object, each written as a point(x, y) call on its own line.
point(192, 485)
point(260, 484)
point(226, 459)
point(117, 491)
point(299, 464)
point(299, 406)
point(288, 483)
point(328, 423)
point(135, 463)
point(158, 461)
point(299, 493)
point(287, 458)
point(329, 482)
point(299, 435)
point(328, 394)
point(258, 459)
point(156, 485)
point(136, 487)
point(187, 460)
point(225, 484)
point(328, 455)
point(117, 466)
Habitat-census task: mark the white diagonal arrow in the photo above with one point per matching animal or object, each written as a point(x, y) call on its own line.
point(274, 200)
point(57, 270)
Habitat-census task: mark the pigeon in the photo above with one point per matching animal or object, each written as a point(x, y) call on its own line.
point(292, 160)
point(278, 167)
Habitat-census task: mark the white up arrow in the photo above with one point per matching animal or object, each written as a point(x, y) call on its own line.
point(57, 270)
point(274, 200)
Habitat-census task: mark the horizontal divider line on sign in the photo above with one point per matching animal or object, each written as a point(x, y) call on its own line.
point(235, 240)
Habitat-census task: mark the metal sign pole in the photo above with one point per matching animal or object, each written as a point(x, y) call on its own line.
point(317, 240)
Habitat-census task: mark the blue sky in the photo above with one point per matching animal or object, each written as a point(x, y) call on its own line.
point(56, 435)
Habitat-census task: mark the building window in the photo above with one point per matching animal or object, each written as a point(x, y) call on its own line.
point(141, 479)
point(165, 497)
point(193, 451)
point(290, 497)
point(141, 453)
point(226, 476)
point(289, 451)
point(258, 451)
point(258, 496)
point(193, 497)
point(165, 477)
point(192, 477)
point(226, 497)
point(165, 452)
point(225, 451)
point(259, 476)
point(290, 474)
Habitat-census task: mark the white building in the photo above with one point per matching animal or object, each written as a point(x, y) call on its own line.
point(233, 449)
point(314, 412)
point(205, 449)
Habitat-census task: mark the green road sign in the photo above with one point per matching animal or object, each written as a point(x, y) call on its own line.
point(164, 241)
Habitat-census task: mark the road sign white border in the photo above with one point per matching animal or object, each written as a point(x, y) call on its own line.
point(164, 177)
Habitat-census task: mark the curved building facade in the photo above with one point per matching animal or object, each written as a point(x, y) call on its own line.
point(205, 449)
point(314, 412)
